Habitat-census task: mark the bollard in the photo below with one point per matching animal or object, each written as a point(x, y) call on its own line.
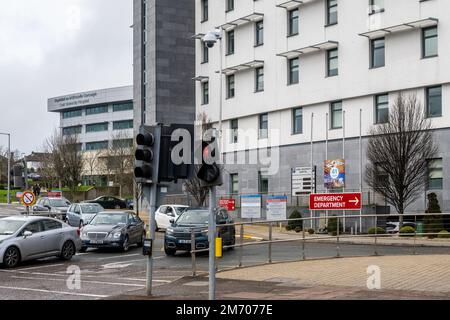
point(194, 271)
point(242, 247)
point(270, 242)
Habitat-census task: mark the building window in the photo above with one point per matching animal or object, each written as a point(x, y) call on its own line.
point(377, 53)
point(230, 86)
point(205, 53)
point(97, 127)
point(434, 101)
point(205, 92)
point(263, 182)
point(230, 5)
point(332, 63)
point(382, 108)
point(204, 10)
point(230, 42)
point(72, 114)
point(259, 79)
point(293, 72)
point(123, 143)
point(336, 115)
point(259, 33)
point(293, 22)
point(376, 6)
point(234, 183)
point(123, 106)
point(96, 110)
point(332, 12)
point(297, 123)
point(98, 145)
point(435, 174)
point(234, 126)
point(68, 131)
point(263, 126)
point(122, 125)
point(430, 42)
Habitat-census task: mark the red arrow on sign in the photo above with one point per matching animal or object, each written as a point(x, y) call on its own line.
point(335, 201)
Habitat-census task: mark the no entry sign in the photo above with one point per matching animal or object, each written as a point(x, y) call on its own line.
point(28, 199)
point(335, 201)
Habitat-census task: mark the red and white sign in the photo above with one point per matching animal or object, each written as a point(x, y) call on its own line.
point(28, 199)
point(335, 201)
point(229, 204)
point(54, 194)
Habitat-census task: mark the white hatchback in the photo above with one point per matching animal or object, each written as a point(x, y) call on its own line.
point(167, 212)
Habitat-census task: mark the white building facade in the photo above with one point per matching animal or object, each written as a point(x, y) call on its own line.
point(100, 119)
point(297, 72)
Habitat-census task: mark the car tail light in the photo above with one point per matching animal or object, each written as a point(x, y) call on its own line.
point(78, 231)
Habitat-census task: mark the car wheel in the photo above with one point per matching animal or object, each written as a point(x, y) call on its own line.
point(125, 245)
point(68, 251)
point(169, 251)
point(141, 242)
point(11, 258)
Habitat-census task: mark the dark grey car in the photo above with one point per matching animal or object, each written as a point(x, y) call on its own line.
point(113, 230)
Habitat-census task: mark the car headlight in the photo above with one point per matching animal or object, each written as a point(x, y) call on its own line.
point(84, 235)
point(204, 233)
point(115, 235)
point(169, 231)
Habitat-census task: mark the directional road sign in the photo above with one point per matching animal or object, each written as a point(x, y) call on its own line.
point(335, 201)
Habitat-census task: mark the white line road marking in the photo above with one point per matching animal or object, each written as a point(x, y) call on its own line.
point(55, 292)
point(123, 256)
point(44, 266)
point(86, 281)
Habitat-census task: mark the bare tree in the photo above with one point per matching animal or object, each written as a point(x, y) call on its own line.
point(93, 162)
point(398, 152)
point(193, 186)
point(120, 162)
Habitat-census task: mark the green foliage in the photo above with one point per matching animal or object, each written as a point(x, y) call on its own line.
point(311, 231)
point(298, 229)
point(433, 204)
point(407, 231)
point(444, 234)
point(332, 225)
point(377, 230)
point(293, 225)
point(433, 221)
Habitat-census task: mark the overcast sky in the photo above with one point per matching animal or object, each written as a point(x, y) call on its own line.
point(50, 48)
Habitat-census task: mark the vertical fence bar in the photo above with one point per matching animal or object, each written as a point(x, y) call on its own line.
point(270, 242)
point(194, 269)
point(376, 235)
point(415, 235)
point(338, 251)
point(303, 245)
point(241, 249)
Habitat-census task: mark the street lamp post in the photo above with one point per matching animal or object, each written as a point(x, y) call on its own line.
point(9, 166)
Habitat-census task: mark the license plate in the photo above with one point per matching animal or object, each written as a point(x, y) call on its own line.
point(185, 241)
point(97, 241)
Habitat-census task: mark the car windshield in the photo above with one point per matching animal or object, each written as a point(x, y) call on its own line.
point(91, 208)
point(194, 217)
point(180, 210)
point(109, 218)
point(8, 227)
point(57, 203)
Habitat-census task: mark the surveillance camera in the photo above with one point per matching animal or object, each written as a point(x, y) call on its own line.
point(210, 39)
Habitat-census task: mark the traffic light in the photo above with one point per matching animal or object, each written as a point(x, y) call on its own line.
point(209, 173)
point(144, 155)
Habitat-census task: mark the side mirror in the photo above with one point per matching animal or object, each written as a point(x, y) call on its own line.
point(172, 221)
point(27, 234)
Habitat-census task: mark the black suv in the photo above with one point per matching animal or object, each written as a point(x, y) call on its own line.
point(178, 236)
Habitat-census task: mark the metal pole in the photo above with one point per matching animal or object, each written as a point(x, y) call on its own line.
point(360, 167)
point(152, 195)
point(303, 245)
point(25, 172)
point(376, 235)
point(212, 244)
point(343, 157)
point(326, 158)
point(193, 257)
point(338, 250)
point(241, 249)
point(415, 235)
point(221, 83)
point(9, 168)
point(270, 242)
point(312, 161)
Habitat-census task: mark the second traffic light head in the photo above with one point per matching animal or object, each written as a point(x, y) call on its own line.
point(144, 155)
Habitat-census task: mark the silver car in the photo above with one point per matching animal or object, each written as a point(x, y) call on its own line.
point(29, 237)
point(80, 214)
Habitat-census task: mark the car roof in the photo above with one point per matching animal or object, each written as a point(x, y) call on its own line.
point(116, 212)
point(176, 205)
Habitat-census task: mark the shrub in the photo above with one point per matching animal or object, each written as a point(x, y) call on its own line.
point(334, 233)
point(311, 231)
point(444, 234)
point(298, 229)
point(288, 228)
point(378, 230)
point(297, 223)
point(407, 231)
point(332, 225)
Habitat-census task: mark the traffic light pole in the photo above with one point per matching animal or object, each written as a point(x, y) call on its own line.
point(212, 243)
point(151, 193)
